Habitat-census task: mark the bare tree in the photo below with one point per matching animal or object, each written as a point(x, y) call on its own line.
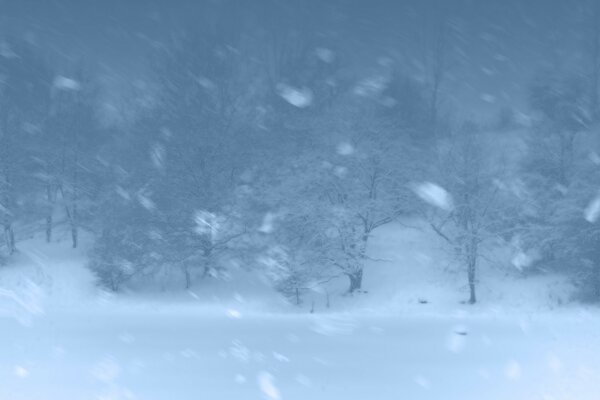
point(591, 24)
point(200, 141)
point(561, 106)
point(361, 198)
point(472, 214)
point(435, 38)
point(75, 139)
point(24, 104)
point(354, 184)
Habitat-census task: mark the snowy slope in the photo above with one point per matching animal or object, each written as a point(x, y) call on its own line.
point(46, 276)
point(412, 270)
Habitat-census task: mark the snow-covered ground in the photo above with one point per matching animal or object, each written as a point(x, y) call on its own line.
point(62, 338)
point(409, 264)
point(186, 354)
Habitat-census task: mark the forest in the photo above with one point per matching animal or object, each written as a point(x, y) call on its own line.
point(258, 139)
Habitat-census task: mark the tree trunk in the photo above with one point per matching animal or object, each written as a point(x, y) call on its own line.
point(355, 280)
point(472, 269)
point(9, 236)
point(8, 203)
point(74, 230)
point(471, 273)
point(207, 254)
point(74, 216)
point(49, 221)
point(595, 75)
point(49, 228)
point(188, 277)
point(71, 214)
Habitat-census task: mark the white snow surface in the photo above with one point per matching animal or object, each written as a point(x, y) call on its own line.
point(407, 337)
point(191, 354)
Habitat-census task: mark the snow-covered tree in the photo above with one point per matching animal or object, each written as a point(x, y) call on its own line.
point(471, 203)
point(353, 183)
point(68, 157)
point(24, 102)
point(558, 176)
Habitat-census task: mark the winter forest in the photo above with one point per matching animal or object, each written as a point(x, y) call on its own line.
point(299, 199)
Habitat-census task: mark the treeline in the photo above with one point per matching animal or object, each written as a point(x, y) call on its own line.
point(265, 146)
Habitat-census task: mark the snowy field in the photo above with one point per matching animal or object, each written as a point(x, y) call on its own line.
point(187, 354)
point(64, 339)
